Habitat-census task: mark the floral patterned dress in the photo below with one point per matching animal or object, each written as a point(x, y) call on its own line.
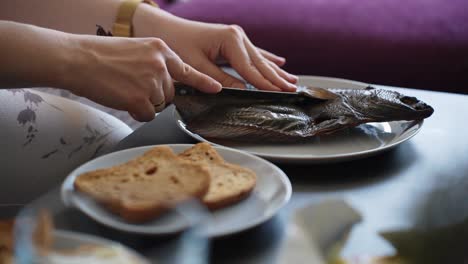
point(43, 137)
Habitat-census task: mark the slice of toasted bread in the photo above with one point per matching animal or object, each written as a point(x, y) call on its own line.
point(146, 186)
point(230, 183)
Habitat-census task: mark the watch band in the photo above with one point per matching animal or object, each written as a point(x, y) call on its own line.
point(123, 23)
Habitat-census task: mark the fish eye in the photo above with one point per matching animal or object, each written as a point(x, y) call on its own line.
point(409, 100)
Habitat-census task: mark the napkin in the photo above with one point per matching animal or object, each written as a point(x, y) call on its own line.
point(316, 233)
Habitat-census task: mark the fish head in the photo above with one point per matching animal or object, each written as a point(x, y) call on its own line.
point(391, 105)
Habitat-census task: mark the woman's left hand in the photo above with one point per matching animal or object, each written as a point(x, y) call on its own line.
point(202, 44)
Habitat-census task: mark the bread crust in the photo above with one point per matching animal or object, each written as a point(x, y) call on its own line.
point(230, 183)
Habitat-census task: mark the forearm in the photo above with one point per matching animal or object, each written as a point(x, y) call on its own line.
point(82, 16)
point(154, 22)
point(32, 56)
point(74, 16)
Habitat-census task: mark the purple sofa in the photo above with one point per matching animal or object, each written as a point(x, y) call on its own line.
point(418, 43)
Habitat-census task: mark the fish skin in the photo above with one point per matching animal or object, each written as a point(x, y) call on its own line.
point(254, 117)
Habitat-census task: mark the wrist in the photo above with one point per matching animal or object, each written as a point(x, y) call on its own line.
point(149, 21)
point(123, 25)
point(69, 62)
point(144, 20)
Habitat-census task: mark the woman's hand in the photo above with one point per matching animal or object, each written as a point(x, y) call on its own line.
point(258, 67)
point(202, 44)
point(132, 74)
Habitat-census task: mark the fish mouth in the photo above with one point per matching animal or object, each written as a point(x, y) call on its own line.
point(422, 108)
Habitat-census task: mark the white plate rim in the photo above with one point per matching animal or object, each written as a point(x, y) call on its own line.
point(303, 158)
point(69, 199)
point(315, 159)
point(79, 238)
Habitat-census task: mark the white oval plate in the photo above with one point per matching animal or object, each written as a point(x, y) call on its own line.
point(271, 193)
point(362, 141)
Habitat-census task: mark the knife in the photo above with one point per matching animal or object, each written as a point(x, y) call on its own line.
point(182, 89)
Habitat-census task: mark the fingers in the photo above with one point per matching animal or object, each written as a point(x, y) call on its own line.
point(167, 66)
point(142, 111)
point(158, 92)
point(225, 79)
point(280, 61)
point(162, 94)
point(168, 87)
point(266, 68)
point(184, 73)
point(284, 74)
point(249, 62)
point(241, 62)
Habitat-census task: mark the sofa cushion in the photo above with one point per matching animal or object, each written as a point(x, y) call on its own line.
point(419, 43)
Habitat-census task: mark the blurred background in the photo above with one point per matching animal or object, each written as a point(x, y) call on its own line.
point(418, 44)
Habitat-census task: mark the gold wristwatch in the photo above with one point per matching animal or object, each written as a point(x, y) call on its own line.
point(123, 23)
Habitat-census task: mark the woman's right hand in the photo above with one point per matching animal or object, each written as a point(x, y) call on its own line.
point(131, 74)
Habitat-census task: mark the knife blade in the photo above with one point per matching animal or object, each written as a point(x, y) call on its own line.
point(311, 92)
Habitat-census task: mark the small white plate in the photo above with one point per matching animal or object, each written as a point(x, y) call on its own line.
point(354, 143)
point(66, 240)
point(271, 193)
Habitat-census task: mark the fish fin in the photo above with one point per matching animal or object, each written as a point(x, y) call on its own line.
point(332, 125)
point(317, 93)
